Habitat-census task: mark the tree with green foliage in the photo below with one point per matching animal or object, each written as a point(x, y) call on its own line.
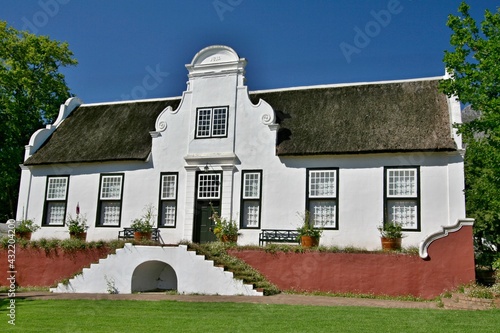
point(31, 91)
point(474, 69)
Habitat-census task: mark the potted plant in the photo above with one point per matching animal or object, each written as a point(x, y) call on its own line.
point(143, 226)
point(308, 235)
point(77, 227)
point(391, 235)
point(225, 230)
point(25, 228)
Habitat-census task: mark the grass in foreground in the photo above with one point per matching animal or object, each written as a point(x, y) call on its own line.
point(170, 316)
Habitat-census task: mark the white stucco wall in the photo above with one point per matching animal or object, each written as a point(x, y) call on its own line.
point(249, 145)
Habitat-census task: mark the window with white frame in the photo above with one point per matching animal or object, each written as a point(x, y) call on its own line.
point(211, 122)
point(209, 186)
point(168, 200)
point(56, 200)
point(322, 198)
point(110, 200)
point(402, 197)
point(251, 198)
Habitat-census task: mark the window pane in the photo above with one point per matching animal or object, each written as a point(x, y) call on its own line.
point(55, 213)
point(110, 213)
point(219, 122)
point(403, 212)
point(322, 213)
point(203, 122)
point(322, 184)
point(402, 183)
point(111, 187)
point(168, 186)
point(251, 211)
point(209, 186)
point(251, 186)
point(56, 188)
point(168, 213)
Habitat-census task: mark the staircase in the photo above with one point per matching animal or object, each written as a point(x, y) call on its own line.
point(137, 268)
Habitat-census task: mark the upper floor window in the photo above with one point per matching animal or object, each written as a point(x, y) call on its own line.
point(56, 200)
point(110, 200)
point(402, 197)
point(211, 122)
point(322, 193)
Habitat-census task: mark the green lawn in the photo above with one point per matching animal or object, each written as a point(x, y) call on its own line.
point(169, 316)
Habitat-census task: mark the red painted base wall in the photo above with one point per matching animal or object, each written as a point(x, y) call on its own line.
point(450, 264)
point(35, 267)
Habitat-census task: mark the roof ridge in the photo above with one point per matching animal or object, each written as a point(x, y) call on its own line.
point(133, 101)
point(347, 84)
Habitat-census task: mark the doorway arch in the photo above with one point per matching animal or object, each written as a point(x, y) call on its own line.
point(154, 275)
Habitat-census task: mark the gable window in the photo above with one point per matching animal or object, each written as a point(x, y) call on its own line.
point(251, 192)
point(168, 200)
point(56, 197)
point(110, 200)
point(322, 196)
point(402, 197)
point(211, 122)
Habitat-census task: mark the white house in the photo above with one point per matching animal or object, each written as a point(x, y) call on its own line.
point(354, 155)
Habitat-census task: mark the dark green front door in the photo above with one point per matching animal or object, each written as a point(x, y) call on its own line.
point(203, 227)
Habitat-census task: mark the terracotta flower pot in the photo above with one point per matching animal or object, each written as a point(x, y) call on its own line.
point(231, 239)
point(391, 244)
point(80, 235)
point(309, 241)
point(138, 235)
point(23, 235)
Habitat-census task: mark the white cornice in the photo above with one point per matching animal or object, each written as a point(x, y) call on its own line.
point(211, 158)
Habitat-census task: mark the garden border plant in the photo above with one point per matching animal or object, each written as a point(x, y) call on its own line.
point(289, 248)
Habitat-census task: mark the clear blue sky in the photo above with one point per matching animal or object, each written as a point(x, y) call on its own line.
point(286, 42)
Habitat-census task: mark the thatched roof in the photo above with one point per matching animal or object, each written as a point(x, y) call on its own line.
point(390, 117)
point(371, 118)
point(103, 132)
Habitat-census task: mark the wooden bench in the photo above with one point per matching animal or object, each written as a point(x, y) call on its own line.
point(128, 233)
point(278, 236)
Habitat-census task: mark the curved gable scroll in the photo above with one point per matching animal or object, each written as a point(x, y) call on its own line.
point(445, 230)
point(40, 136)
